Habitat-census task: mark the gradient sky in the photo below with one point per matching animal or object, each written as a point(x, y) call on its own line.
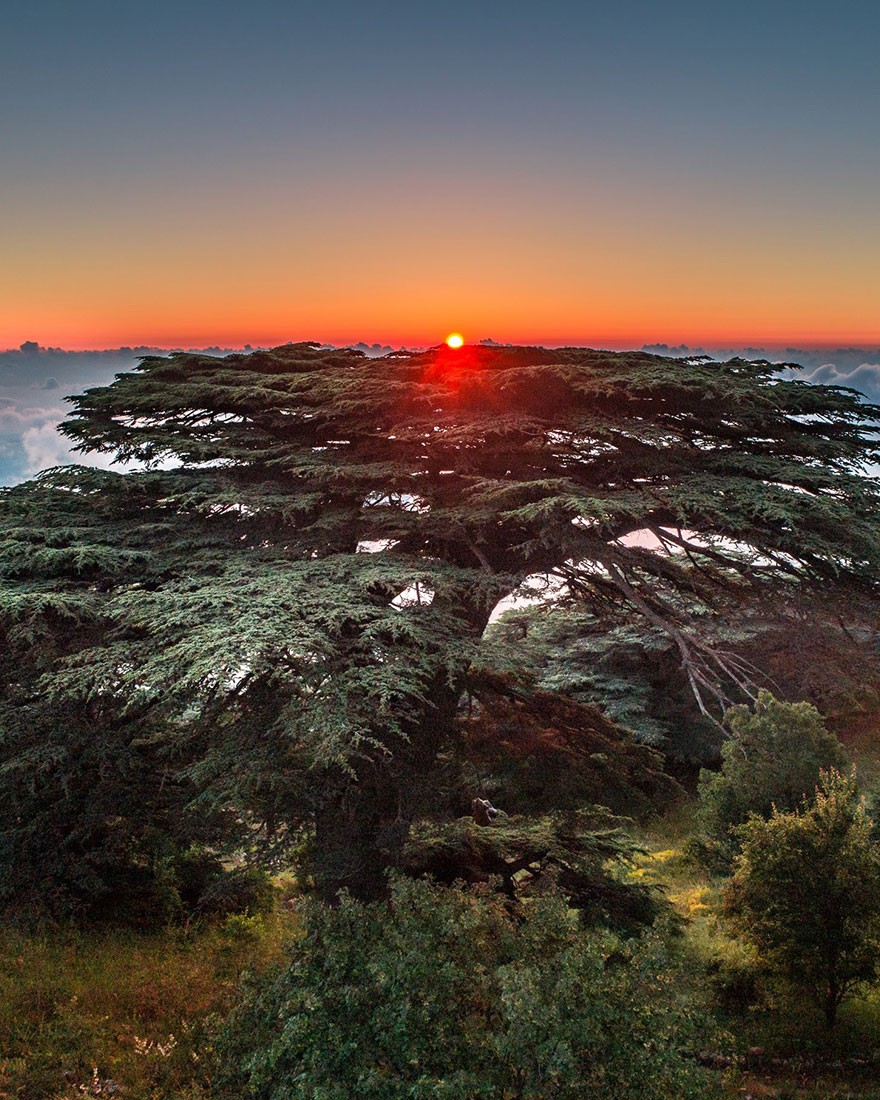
point(210, 172)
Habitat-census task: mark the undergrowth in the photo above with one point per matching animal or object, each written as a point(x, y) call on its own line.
point(120, 1013)
point(776, 1046)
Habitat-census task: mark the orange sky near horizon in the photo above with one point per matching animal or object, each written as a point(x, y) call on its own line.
point(93, 296)
point(405, 266)
point(196, 175)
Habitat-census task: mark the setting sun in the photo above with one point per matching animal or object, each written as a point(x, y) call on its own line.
point(455, 340)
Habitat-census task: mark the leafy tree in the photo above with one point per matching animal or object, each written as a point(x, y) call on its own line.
point(806, 892)
point(297, 579)
point(774, 759)
point(442, 994)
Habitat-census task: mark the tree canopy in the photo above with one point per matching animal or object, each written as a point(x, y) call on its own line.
point(294, 580)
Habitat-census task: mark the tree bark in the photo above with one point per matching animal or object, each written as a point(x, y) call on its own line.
point(347, 853)
point(832, 1002)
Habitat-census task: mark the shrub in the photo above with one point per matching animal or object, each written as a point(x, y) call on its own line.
point(806, 892)
point(247, 891)
point(774, 757)
point(441, 994)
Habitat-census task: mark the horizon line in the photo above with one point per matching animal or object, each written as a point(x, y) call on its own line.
point(617, 344)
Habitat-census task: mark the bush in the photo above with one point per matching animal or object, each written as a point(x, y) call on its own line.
point(246, 891)
point(806, 893)
point(441, 994)
point(775, 756)
point(93, 828)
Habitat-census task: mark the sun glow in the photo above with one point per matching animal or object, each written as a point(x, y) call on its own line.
point(455, 340)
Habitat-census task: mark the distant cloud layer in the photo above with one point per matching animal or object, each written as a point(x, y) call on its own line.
point(857, 368)
point(33, 384)
point(34, 381)
point(865, 378)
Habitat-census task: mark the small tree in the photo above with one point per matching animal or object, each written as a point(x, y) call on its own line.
point(806, 892)
point(774, 758)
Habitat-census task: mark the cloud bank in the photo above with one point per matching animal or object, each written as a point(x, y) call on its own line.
point(856, 368)
point(34, 382)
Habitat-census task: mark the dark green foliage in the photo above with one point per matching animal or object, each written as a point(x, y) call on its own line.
point(245, 890)
point(631, 671)
point(94, 825)
point(583, 854)
point(774, 758)
point(305, 685)
point(815, 647)
point(806, 892)
point(93, 820)
point(548, 758)
point(537, 751)
point(819, 647)
point(439, 993)
point(206, 888)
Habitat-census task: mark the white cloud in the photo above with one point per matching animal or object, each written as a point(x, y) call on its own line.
point(865, 378)
point(44, 446)
point(15, 417)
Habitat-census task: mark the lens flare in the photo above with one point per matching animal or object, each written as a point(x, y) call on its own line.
point(455, 340)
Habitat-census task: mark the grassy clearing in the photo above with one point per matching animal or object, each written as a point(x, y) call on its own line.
point(122, 1013)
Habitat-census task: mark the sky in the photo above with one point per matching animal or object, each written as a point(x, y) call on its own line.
point(193, 173)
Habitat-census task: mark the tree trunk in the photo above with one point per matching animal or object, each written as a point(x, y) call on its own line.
point(364, 823)
point(347, 853)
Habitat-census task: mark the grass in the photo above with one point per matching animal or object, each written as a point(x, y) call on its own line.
point(123, 1013)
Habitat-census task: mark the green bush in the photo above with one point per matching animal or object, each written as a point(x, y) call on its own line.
point(93, 828)
point(806, 893)
point(774, 757)
point(248, 891)
point(441, 994)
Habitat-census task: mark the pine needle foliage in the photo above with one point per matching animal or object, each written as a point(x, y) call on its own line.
point(584, 854)
point(297, 575)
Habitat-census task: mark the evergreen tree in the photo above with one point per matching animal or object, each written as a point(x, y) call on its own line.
point(298, 576)
point(817, 647)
